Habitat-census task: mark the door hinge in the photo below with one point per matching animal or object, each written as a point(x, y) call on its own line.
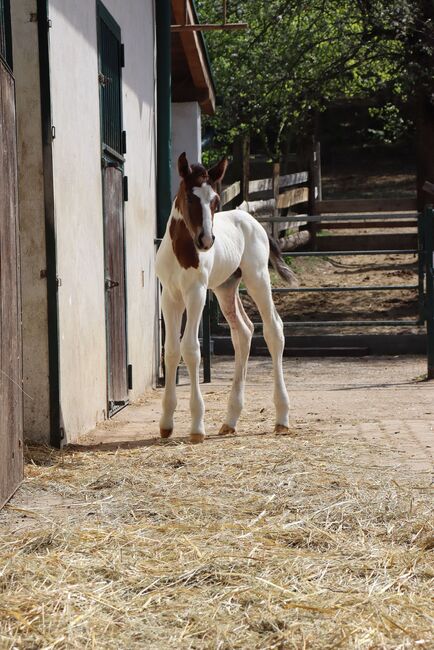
point(130, 376)
point(124, 142)
point(104, 80)
point(110, 284)
point(122, 55)
point(125, 188)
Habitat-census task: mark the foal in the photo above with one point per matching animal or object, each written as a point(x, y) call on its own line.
point(203, 249)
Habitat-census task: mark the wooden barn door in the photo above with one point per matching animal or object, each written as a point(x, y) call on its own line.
point(114, 194)
point(11, 404)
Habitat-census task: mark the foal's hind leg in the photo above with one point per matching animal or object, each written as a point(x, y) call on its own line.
point(241, 333)
point(259, 288)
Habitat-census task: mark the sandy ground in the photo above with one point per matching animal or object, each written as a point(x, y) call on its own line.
point(381, 400)
point(320, 539)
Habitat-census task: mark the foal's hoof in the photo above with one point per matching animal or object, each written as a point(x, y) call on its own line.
point(165, 433)
point(281, 430)
point(196, 438)
point(225, 430)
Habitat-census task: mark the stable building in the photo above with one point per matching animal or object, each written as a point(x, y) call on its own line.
point(80, 113)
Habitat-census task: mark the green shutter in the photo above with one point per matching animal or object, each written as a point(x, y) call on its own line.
point(5, 32)
point(110, 63)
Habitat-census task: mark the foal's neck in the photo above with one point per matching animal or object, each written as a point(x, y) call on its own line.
point(182, 242)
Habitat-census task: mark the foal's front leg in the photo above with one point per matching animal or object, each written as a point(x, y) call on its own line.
point(172, 309)
point(190, 350)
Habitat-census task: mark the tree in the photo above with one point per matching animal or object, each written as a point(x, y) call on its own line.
point(298, 56)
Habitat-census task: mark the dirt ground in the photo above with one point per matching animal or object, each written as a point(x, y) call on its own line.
point(381, 399)
point(320, 539)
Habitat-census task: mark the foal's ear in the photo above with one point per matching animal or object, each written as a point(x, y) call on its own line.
point(217, 172)
point(184, 168)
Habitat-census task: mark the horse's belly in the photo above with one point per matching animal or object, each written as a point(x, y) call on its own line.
point(228, 250)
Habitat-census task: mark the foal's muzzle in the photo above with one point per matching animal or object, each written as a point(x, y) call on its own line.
point(204, 242)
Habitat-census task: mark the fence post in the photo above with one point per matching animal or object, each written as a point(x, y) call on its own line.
point(317, 176)
point(276, 185)
point(429, 306)
point(206, 340)
point(421, 266)
point(315, 190)
point(245, 167)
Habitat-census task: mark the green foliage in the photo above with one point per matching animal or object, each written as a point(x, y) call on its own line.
point(300, 55)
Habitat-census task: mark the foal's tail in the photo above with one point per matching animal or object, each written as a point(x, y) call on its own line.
point(279, 263)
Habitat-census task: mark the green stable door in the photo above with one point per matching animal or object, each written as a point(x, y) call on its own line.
point(114, 185)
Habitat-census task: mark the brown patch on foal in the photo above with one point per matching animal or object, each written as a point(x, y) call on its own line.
point(183, 245)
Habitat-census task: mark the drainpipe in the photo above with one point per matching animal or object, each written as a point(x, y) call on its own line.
point(50, 234)
point(164, 111)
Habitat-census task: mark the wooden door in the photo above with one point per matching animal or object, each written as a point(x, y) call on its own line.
point(11, 402)
point(110, 60)
point(117, 382)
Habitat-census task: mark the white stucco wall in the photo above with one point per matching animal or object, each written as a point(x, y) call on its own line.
point(78, 202)
point(186, 136)
point(32, 221)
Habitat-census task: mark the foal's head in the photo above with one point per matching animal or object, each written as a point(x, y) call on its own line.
point(197, 199)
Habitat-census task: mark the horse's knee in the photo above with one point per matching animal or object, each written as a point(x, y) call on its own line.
point(172, 357)
point(190, 351)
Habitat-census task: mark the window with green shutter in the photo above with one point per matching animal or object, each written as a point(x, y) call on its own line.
point(110, 57)
point(5, 32)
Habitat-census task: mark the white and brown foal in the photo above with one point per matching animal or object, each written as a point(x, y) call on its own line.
point(204, 249)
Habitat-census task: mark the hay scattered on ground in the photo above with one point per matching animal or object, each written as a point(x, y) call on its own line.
point(253, 542)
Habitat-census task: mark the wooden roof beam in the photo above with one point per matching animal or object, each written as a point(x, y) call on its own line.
point(195, 53)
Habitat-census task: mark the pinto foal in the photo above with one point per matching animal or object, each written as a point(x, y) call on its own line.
point(203, 249)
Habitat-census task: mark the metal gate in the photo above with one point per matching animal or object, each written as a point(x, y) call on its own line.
point(110, 56)
point(346, 215)
point(11, 404)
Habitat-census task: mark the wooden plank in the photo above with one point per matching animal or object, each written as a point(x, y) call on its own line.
point(292, 242)
point(346, 218)
point(266, 184)
point(394, 241)
point(365, 205)
point(260, 206)
point(294, 179)
point(287, 199)
point(261, 185)
point(11, 396)
point(428, 188)
point(293, 197)
point(229, 193)
point(350, 225)
point(196, 55)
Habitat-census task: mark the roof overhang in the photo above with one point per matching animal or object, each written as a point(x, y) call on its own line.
point(191, 71)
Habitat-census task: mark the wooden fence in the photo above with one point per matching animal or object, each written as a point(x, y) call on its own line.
point(287, 192)
point(278, 201)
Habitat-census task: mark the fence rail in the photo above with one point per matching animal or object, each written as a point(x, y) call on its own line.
point(288, 192)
